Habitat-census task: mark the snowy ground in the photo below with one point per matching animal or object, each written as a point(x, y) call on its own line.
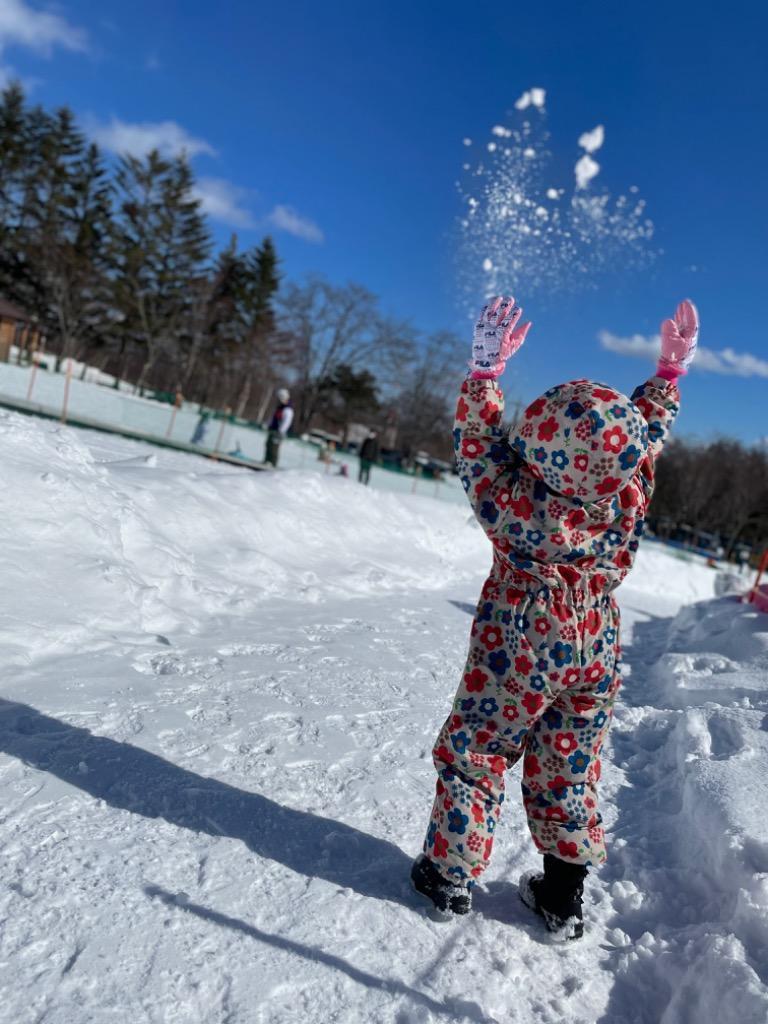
point(123, 411)
point(220, 691)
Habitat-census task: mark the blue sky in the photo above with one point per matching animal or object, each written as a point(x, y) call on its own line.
point(338, 127)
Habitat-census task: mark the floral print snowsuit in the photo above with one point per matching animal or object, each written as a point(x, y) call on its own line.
point(563, 499)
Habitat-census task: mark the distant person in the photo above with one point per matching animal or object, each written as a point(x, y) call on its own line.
point(369, 453)
point(279, 426)
point(563, 498)
point(201, 428)
point(343, 470)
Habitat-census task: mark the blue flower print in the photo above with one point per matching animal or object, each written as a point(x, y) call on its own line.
point(560, 459)
point(618, 412)
point(456, 439)
point(578, 762)
point(561, 654)
point(488, 706)
point(490, 823)
point(457, 822)
point(599, 719)
point(629, 457)
point(431, 833)
point(466, 483)
point(493, 747)
point(574, 410)
point(477, 469)
point(459, 742)
point(553, 718)
point(613, 537)
point(540, 491)
point(489, 511)
point(537, 683)
point(540, 454)
point(534, 536)
point(516, 529)
point(467, 704)
point(655, 431)
point(596, 420)
point(498, 453)
point(521, 622)
point(498, 662)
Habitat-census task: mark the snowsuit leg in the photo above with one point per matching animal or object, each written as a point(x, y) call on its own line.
point(536, 659)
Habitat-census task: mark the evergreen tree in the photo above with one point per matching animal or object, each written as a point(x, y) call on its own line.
point(161, 245)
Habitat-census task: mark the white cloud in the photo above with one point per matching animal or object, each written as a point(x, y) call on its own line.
point(285, 218)
point(224, 202)
point(41, 31)
point(138, 138)
point(726, 361)
point(592, 141)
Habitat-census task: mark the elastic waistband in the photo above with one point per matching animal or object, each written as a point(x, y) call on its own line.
point(585, 591)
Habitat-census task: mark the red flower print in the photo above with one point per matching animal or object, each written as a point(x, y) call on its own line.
point(567, 849)
point(594, 672)
point(609, 484)
point(441, 845)
point(455, 723)
point(575, 518)
point(571, 676)
point(542, 626)
point(488, 848)
point(442, 753)
point(488, 412)
point(582, 704)
point(522, 508)
point(581, 462)
point(556, 814)
point(557, 538)
point(565, 742)
point(478, 813)
point(514, 596)
point(504, 498)
point(471, 448)
point(498, 764)
point(485, 783)
point(510, 712)
point(592, 621)
point(491, 637)
point(523, 665)
point(535, 408)
point(482, 736)
point(558, 783)
point(614, 440)
point(605, 393)
point(570, 575)
point(629, 498)
point(475, 680)
point(597, 769)
point(547, 429)
point(533, 702)
point(532, 766)
point(461, 410)
point(623, 559)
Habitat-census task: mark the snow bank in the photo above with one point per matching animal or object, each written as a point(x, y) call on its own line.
point(132, 543)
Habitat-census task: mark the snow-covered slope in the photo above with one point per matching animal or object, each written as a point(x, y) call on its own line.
point(219, 695)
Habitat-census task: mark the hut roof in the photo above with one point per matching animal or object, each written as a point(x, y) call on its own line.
point(10, 312)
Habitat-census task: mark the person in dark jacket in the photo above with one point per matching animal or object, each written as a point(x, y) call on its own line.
point(279, 426)
point(369, 453)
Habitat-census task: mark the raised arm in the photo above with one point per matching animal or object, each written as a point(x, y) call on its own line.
point(483, 453)
point(659, 398)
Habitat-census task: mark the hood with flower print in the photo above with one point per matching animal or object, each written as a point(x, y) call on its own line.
point(584, 440)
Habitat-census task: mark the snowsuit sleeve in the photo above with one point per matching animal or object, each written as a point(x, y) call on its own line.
point(485, 459)
point(659, 402)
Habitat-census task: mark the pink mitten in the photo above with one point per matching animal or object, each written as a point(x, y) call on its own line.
point(497, 337)
point(679, 338)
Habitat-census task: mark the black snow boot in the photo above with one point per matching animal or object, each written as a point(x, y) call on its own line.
point(556, 896)
point(448, 898)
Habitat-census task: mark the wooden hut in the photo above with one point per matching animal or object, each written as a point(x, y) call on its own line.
point(16, 328)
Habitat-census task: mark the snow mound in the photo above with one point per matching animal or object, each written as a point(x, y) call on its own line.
point(150, 548)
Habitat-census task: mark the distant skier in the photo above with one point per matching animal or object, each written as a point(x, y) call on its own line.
point(369, 453)
point(563, 499)
point(279, 425)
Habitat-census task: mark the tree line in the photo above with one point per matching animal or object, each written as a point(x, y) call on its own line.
point(115, 261)
point(719, 488)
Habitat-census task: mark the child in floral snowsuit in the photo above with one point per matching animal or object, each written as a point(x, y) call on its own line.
point(563, 499)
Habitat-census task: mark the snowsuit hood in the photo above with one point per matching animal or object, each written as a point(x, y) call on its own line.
point(585, 440)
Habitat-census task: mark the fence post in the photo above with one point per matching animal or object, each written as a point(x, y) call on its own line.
point(67, 382)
